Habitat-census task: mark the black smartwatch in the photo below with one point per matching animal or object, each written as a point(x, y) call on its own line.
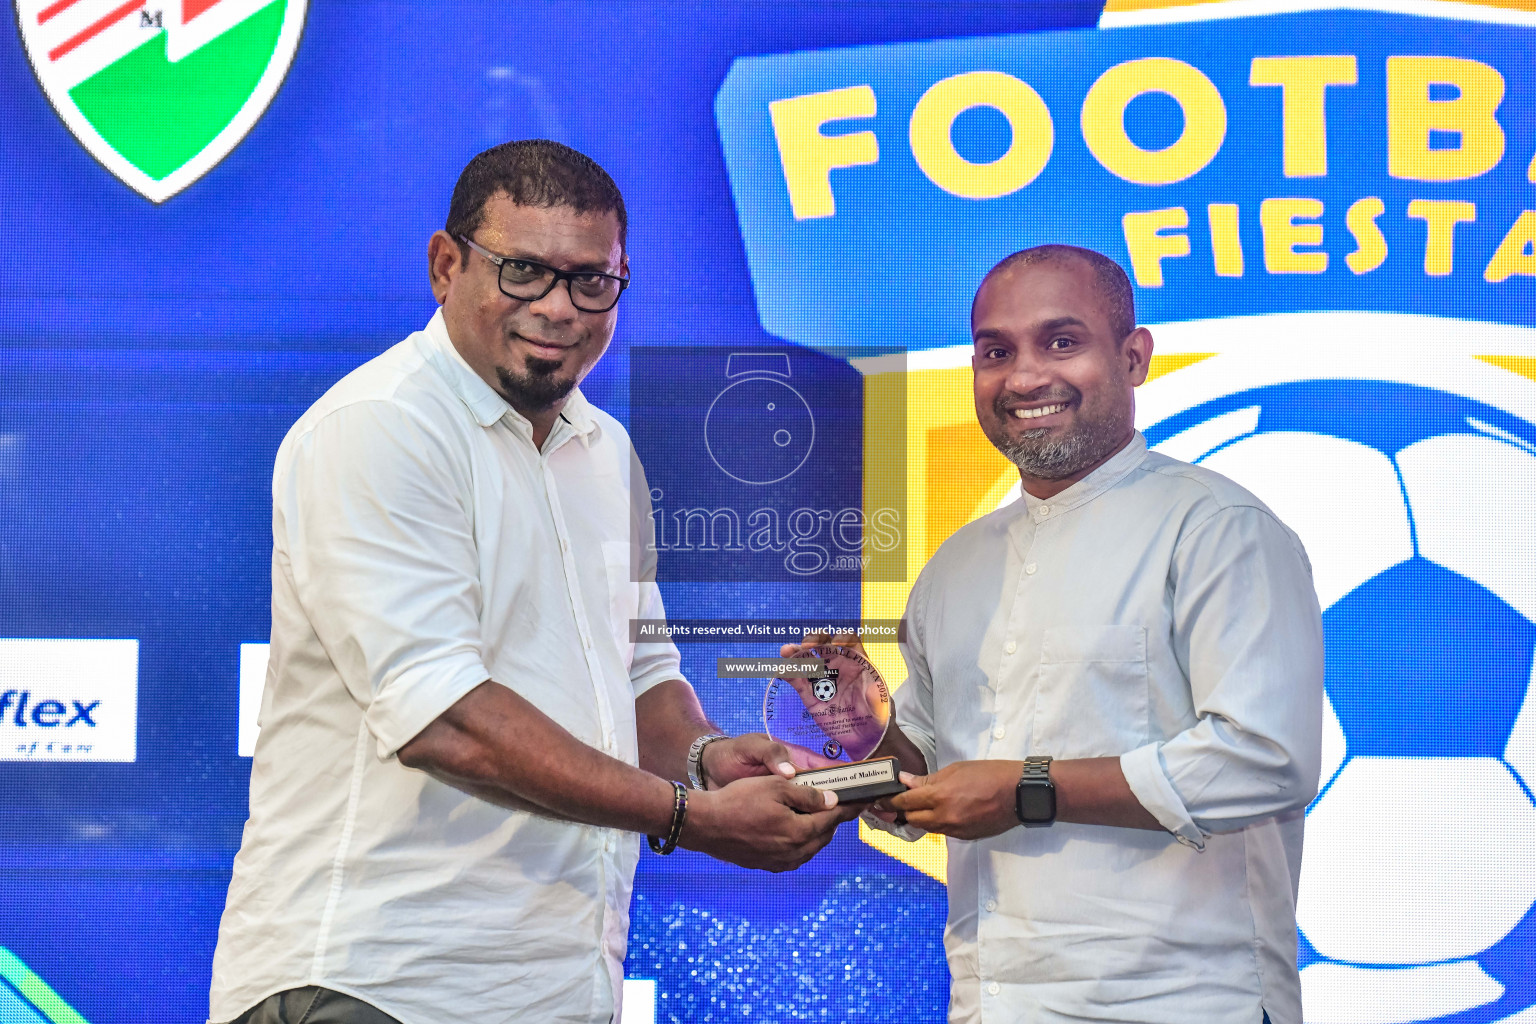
point(1035, 798)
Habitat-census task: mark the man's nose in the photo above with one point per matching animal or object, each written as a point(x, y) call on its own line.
point(1027, 373)
point(556, 305)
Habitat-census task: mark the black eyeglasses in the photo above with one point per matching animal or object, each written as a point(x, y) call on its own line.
point(529, 281)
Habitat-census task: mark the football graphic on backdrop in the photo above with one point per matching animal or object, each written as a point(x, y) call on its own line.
point(1414, 497)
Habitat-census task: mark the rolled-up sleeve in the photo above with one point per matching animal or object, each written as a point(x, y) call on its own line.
point(383, 561)
point(654, 662)
point(1248, 632)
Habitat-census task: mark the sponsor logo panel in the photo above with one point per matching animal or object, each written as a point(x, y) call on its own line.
point(69, 700)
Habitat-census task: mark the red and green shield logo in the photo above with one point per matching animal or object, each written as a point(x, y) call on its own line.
point(159, 91)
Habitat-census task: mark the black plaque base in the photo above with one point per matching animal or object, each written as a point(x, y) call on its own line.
point(861, 780)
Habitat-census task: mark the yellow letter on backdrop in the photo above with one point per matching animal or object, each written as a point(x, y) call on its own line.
point(1282, 235)
point(1304, 82)
point(1517, 253)
point(1148, 246)
point(1205, 120)
point(1033, 134)
point(1412, 116)
point(1440, 217)
point(1370, 245)
point(1226, 243)
point(808, 156)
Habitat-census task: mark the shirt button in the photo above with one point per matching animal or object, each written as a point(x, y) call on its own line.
point(586, 642)
point(1010, 647)
point(993, 988)
point(1043, 511)
point(997, 733)
point(1030, 568)
point(564, 544)
point(991, 905)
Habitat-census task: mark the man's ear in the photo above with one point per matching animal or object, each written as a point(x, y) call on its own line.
point(1136, 350)
point(445, 259)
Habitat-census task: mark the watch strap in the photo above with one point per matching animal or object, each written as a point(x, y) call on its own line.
point(1035, 776)
point(1037, 769)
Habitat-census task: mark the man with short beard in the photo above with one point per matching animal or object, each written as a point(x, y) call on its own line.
point(460, 743)
point(1115, 690)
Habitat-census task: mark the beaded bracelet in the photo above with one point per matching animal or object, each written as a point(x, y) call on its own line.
point(679, 814)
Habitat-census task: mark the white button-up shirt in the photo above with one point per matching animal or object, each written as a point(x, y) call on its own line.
point(422, 545)
point(1157, 612)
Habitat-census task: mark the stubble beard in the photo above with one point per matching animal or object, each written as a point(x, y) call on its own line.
point(539, 386)
point(1046, 456)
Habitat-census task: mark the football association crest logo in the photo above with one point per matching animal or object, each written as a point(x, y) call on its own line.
point(160, 91)
point(825, 688)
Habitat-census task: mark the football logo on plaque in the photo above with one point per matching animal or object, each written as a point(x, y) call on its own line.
point(825, 688)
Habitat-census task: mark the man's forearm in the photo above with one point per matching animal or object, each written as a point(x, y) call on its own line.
point(668, 719)
point(546, 770)
point(975, 799)
point(1093, 791)
point(496, 745)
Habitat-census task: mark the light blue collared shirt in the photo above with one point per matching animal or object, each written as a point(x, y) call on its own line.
point(1157, 612)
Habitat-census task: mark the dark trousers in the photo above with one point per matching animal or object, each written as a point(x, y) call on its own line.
point(322, 1006)
point(313, 1006)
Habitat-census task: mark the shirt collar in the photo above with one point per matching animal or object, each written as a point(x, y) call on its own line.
point(1096, 483)
point(578, 413)
point(483, 402)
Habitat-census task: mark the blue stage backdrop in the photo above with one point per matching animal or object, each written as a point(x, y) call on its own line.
point(214, 209)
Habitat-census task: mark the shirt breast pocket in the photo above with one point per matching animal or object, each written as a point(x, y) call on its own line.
point(1093, 698)
point(623, 595)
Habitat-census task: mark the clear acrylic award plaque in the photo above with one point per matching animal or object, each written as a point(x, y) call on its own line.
point(832, 719)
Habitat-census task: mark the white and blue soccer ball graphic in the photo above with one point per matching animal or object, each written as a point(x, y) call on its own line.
point(1414, 490)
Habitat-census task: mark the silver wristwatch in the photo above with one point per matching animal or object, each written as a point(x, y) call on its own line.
point(696, 758)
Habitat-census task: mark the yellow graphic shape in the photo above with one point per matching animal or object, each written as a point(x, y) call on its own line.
point(1163, 365)
point(1151, 5)
point(925, 453)
point(949, 466)
point(1525, 366)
